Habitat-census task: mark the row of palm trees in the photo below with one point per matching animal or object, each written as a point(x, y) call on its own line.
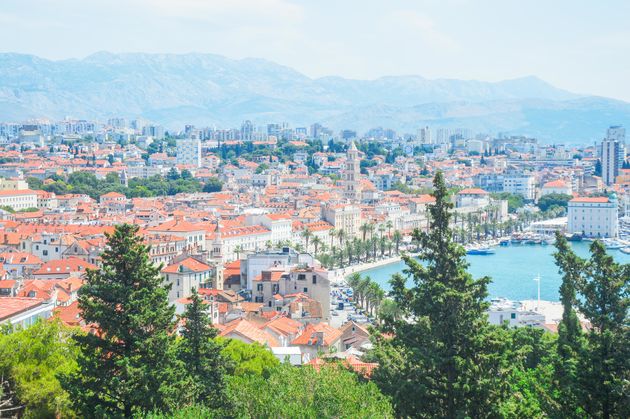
point(342, 250)
point(485, 223)
point(368, 295)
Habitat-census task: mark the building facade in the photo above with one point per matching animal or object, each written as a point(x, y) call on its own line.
point(595, 217)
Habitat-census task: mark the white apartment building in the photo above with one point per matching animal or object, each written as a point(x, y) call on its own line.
point(280, 225)
point(18, 199)
point(343, 217)
point(524, 185)
point(613, 153)
point(595, 217)
point(189, 151)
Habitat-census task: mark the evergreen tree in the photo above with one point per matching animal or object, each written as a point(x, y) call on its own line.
point(201, 354)
point(443, 361)
point(127, 365)
point(570, 343)
point(605, 367)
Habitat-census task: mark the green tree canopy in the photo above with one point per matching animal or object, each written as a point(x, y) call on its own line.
point(31, 360)
point(127, 366)
point(554, 199)
point(248, 359)
point(442, 362)
point(200, 354)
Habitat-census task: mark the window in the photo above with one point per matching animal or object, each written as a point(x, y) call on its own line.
point(513, 315)
point(305, 289)
point(314, 279)
point(45, 252)
point(259, 287)
point(301, 277)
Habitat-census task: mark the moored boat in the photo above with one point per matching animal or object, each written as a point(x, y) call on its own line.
point(481, 251)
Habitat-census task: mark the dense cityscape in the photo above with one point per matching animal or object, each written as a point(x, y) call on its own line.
point(290, 209)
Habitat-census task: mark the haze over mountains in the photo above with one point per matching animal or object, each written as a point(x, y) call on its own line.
point(206, 89)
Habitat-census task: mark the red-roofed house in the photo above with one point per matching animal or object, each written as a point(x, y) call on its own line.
point(557, 187)
point(247, 332)
point(63, 268)
point(23, 312)
point(185, 275)
point(320, 337)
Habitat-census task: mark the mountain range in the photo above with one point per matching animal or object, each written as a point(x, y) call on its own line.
point(206, 89)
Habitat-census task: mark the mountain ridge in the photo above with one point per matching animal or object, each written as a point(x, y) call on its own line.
point(209, 89)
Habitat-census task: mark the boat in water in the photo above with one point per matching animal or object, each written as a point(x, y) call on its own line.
point(481, 251)
point(613, 244)
point(574, 237)
point(625, 250)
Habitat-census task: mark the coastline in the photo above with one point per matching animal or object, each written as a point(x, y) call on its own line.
point(338, 275)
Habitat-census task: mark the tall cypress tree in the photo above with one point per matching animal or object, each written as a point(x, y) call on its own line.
point(200, 355)
point(605, 367)
point(442, 361)
point(570, 344)
point(127, 365)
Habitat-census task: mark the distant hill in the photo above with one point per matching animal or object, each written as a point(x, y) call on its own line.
point(207, 89)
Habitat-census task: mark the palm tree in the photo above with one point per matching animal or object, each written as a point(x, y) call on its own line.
point(341, 234)
point(306, 233)
point(362, 289)
point(365, 227)
point(389, 226)
point(332, 233)
point(268, 244)
point(376, 297)
point(371, 229)
point(353, 280)
point(238, 249)
point(316, 243)
point(381, 229)
point(397, 239)
point(383, 243)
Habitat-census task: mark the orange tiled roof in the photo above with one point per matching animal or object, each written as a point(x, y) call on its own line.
point(189, 263)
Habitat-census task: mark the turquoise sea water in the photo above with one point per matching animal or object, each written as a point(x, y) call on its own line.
point(512, 269)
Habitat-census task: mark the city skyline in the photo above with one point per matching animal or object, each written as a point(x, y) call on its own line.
point(575, 46)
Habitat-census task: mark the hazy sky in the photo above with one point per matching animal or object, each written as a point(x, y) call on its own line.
point(579, 45)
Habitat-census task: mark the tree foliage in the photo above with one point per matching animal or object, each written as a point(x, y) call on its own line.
point(289, 392)
point(443, 362)
point(554, 200)
point(128, 365)
point(248, 359)
point(200, 354)
point(31, 360)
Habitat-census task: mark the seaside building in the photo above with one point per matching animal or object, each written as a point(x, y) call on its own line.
point(595, 217)
point(343, 217)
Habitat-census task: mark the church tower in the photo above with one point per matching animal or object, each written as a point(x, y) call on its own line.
point(352, 174)
point(216, 257)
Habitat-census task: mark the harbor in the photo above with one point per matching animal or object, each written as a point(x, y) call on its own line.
point(512, 269)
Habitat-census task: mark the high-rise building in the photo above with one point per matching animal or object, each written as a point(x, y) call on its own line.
point(247, 131)
point(613, 153)
point(189, 151)
point(424, 135)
